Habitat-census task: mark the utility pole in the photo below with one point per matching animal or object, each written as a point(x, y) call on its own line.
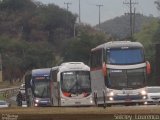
point(1, 78)
point(130, 3)
point(79, 11)
point(99, 6)
point(134, 20)
point(67, 5)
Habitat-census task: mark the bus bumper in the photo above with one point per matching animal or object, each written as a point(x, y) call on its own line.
point(77, 102)
point(126, 99)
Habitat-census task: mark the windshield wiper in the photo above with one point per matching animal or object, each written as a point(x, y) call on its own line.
point(43, 92)
point(74, 85)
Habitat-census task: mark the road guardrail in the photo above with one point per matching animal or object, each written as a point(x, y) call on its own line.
point(8, 92)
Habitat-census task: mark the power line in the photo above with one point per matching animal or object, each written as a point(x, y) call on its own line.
point(99, 6)
point(130, 3)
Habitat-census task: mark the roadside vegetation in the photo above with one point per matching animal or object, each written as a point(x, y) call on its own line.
point(149, 37)
point(34, 35)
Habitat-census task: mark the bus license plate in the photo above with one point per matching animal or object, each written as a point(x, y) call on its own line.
point(77, 103)
point(128, 100)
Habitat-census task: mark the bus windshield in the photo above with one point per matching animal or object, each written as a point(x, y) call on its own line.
point(41, 88)
point(133, 78)
point(76, 82)
point(125, 56)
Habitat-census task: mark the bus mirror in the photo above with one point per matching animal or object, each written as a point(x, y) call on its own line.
point(104, 69)
point(148, 67)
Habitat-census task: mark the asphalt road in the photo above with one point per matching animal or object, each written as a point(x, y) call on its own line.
point(144, 112)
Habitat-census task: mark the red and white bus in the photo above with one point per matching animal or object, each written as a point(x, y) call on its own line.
point(119, 73)
point(71, 84)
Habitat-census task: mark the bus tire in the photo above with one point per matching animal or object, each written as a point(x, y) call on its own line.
point(95, 99)
point(52, 102)
point(104, 99)
point(59, 103)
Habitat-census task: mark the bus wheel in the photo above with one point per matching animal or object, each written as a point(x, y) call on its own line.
point(52, 102)
point(104, 99)
point(95, 99)
point(58, 102)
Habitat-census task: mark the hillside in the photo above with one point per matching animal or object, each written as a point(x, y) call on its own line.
point(119, 27)
point(34, 35)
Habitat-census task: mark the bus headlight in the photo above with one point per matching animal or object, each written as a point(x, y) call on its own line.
point(36, 100)
point(143, 92)
point(111, 98)
point(144, 97)
point(111, 93)
point(145, 103)
point(91, 100)
point(36, 105)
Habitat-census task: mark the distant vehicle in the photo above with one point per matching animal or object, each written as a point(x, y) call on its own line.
point(19, 98)
point(119, 73)
point(24, 103)
point(22, 85)
point(71, 84)
point(153, 95)
point(38, 88)
point(4, 104)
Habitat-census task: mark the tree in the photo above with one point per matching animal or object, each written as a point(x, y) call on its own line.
point(19, 56)
point(147, 38)
point(157, 2)
point(78, 49)
point(17, 5)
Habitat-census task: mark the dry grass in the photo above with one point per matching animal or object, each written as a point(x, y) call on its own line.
point(7, 84)
point(85, 113)
point(84, 110)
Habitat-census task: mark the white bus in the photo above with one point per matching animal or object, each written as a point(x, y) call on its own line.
point(71, 84)
point(119, 73)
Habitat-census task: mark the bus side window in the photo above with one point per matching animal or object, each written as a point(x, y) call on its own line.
point(54, 76)
point(96, 58)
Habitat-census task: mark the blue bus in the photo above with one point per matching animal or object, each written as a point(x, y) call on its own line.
point(38, 87)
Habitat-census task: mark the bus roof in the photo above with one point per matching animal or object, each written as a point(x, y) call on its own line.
point(71, 66)
point(41, 72)
point(118, 44)
point(55, 68)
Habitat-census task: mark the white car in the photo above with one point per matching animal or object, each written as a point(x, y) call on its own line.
point(24, 103)
point(4, 104)
point(22, 90)
point(22, 85)
point(153, 93)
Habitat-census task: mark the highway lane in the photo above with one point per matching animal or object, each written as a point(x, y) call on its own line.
point(145, 109)
point(81, 113)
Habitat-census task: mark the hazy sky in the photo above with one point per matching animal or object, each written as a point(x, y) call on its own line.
point(110, 9)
